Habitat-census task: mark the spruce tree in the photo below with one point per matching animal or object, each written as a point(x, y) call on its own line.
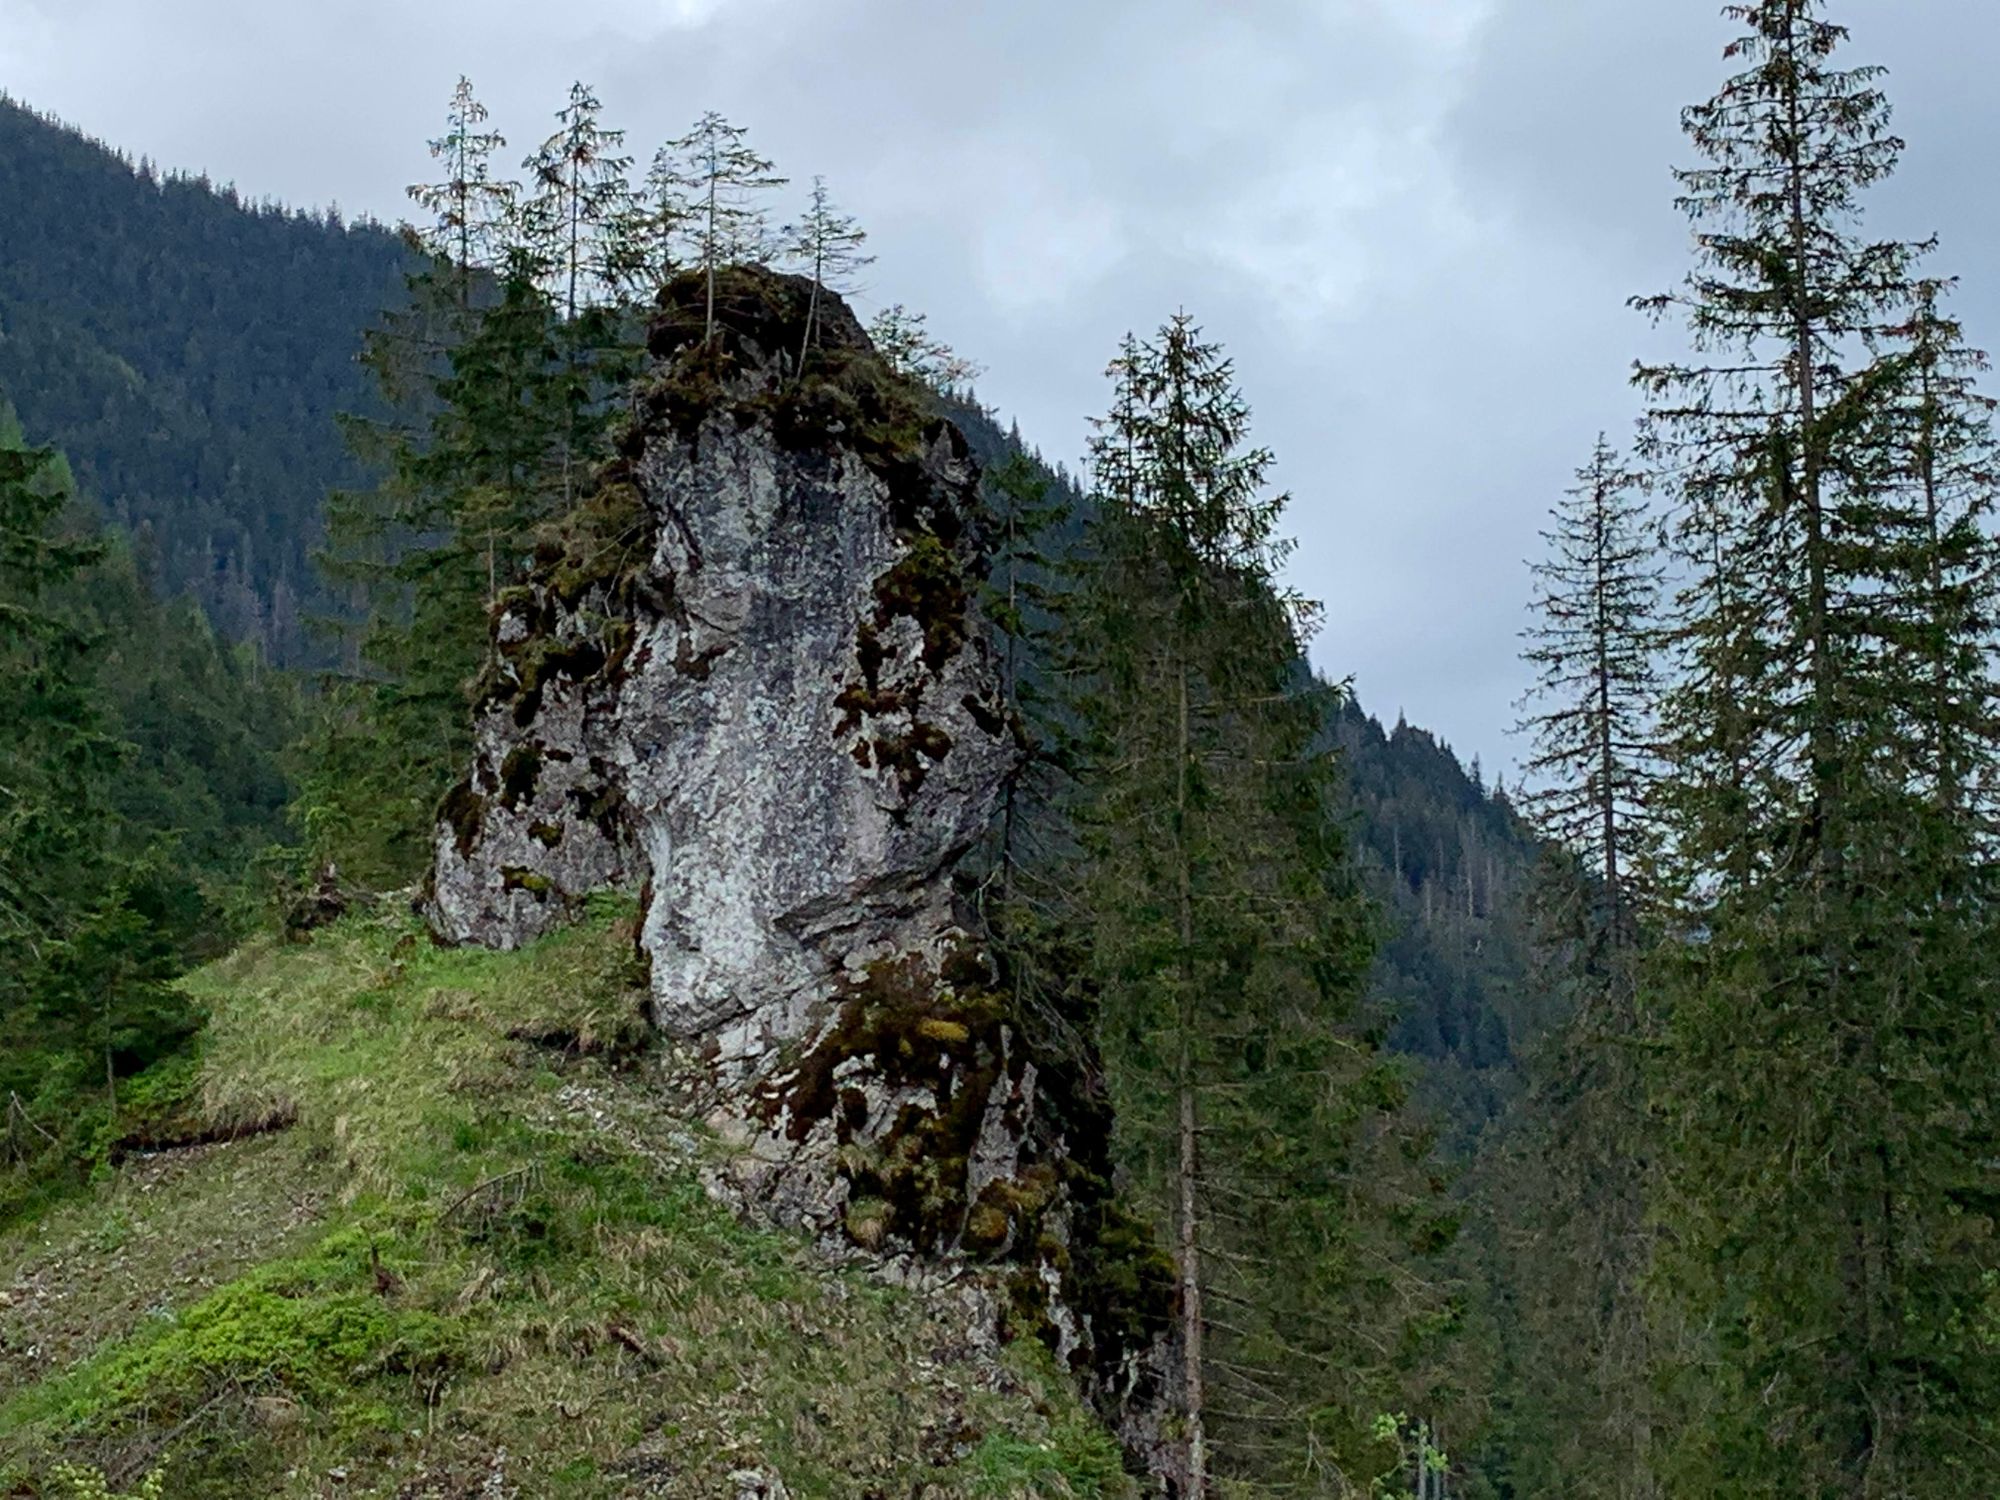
point(474, 462)
point(1592, 646)
point(1936, 451)
point(470, 210)
point(86, 936)
point(1229, 939)
point(903, 338)
point(1576, 1238)
point(1022, 511)
point(492, 400)
point(578, 215)
point(1827, 1045)
point(721, 180)
point(826, 245)
point(53, 750)
point(576, 231)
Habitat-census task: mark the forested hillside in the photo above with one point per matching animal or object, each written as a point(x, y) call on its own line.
point(1453, 866)
point(971, 1004)
point(189, 352)
point(1384, 897)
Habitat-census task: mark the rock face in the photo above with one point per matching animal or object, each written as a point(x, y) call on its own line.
point(750, 675)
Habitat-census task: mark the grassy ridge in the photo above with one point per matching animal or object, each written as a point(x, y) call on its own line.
point(477, 1259)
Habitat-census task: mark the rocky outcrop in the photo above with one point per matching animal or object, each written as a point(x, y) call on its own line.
point(750, 676)
point(751, 673)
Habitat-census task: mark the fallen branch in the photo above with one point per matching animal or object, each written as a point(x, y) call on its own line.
point(476, 1189)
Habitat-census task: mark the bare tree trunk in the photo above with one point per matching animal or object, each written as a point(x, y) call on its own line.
point(812, 308)
point(110, 1069)
point(712, 249)
point(1614, 890)
point(1190, 1160)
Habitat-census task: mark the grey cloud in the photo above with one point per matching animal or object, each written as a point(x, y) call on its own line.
point(1414, 222)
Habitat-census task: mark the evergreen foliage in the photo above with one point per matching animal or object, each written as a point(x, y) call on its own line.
point(826, 245)
point(904, 339)
point(1592, 644)
point(575, 220)
point(715, 184)
point(1229, 937)
point(1828, 1042)
point(127, 822)
point(471, 209)
point(1569, 1176)
point(189, 351)
point(500, 400)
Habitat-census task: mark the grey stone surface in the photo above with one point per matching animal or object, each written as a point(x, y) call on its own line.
point(777, 714)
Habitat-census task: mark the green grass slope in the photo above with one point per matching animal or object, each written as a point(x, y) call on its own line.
point(458, 1246)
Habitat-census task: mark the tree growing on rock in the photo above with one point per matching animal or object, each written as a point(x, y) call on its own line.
point(471, 210)
point(903, 338)
point(717, 184)
point(575, 233)
point(826, 245)
point(578, 213)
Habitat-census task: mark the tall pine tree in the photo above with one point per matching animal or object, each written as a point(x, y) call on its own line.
point(1576, 1190)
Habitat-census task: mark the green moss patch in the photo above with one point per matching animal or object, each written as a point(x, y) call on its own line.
point(946, 1040)
point(927, 584)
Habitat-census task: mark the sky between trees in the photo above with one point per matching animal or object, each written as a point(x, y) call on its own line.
point(1413, 224)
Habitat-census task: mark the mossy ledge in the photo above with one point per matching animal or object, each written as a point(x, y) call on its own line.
point(842, 399)
point(953, 1133)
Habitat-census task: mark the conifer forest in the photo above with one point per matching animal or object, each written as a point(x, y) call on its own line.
point(612, 885)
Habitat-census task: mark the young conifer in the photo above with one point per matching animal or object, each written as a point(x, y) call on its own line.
point(826, 245)
point(576, 230)
point(577, 217)
point(719, 182)
point(903, 338)
point(471, 209)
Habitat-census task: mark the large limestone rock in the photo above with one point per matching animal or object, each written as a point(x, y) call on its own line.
point(751, 677)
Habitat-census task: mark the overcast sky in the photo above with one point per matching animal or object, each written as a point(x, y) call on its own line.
point(1414, 223)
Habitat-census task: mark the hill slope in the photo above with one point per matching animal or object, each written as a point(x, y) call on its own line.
point(189, 352)
point(459, 1246)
